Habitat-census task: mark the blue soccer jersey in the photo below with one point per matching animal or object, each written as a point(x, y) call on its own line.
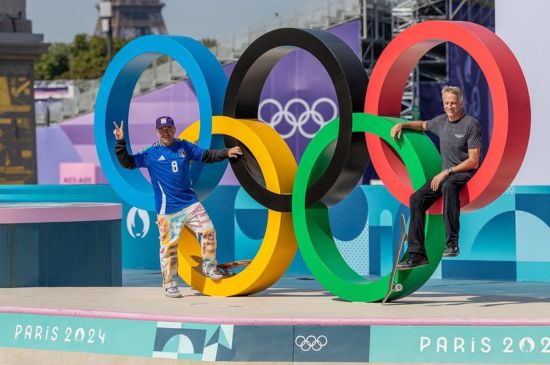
point(169, 168)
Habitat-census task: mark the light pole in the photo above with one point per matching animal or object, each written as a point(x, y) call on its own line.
point(106, 14)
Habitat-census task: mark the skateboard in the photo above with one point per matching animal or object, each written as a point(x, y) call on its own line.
point(396, 287)
point(227, 269)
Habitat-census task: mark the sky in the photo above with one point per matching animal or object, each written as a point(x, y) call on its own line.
point(60, 20)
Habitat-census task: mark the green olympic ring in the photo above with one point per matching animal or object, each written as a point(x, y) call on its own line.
point(311, 224)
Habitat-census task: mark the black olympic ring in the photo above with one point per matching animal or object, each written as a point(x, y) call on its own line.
point(350, 81)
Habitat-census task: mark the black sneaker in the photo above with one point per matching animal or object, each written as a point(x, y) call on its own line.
point(451, 250)
point(414, 260)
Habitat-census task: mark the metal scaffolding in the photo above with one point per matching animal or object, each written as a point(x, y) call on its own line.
point(433, 67)
point(375, 30)
point(404, 14)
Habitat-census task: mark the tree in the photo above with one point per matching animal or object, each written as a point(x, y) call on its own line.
point(88, 57)
point(84, 58)
point(54, 64)
point(209, 42)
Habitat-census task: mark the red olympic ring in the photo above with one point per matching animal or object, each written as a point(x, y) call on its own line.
point(510, 105)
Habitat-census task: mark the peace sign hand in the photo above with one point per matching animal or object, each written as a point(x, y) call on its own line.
point(119, 131)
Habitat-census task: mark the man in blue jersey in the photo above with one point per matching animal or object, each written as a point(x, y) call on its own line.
point(177, 205)
point(460, 146)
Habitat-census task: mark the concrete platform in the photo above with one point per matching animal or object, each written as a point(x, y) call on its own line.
point(60, 244)
point(294, 321)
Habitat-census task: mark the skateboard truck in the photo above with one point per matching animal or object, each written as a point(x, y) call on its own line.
point(394, 287)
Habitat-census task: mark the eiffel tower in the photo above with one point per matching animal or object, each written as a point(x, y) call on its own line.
point(134, 18)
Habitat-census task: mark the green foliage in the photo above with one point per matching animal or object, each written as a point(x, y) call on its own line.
point(209, 42)
point(88, 57)
point(84, 58)
point(54, 64)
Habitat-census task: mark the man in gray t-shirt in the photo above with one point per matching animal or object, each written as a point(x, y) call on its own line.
point(460, 146)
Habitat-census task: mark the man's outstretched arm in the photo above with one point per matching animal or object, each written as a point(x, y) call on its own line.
point(417, 125)
point(210, 156)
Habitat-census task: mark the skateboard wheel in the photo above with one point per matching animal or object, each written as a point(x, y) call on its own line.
point(398, 287)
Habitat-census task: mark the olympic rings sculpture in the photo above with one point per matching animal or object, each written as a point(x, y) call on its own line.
point(298, 196)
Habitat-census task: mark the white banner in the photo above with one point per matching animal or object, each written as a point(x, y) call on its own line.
point(523, 25)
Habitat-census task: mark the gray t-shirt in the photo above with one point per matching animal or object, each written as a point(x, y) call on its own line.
point(455, 138)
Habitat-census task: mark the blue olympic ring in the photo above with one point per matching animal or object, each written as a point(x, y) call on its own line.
point(113, 104)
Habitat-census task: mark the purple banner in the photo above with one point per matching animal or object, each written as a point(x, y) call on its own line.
point(299, 97)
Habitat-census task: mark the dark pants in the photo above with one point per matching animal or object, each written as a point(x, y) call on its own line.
point(422, 199)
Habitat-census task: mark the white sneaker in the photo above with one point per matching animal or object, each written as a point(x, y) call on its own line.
point(214, 274)
point(172, 292)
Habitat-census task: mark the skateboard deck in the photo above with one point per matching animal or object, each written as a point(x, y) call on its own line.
point(394, 287)
point(227, 269)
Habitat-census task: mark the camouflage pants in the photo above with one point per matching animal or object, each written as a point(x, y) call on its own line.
point(170, 225)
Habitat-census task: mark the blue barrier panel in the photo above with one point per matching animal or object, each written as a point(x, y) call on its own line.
point(510, 235)
point(60, 244)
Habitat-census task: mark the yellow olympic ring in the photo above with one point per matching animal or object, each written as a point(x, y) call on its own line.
point(279, 246)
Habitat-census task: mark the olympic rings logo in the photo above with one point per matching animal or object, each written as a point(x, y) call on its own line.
point(311, 342)
point(298, 195)
point(308, 113)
